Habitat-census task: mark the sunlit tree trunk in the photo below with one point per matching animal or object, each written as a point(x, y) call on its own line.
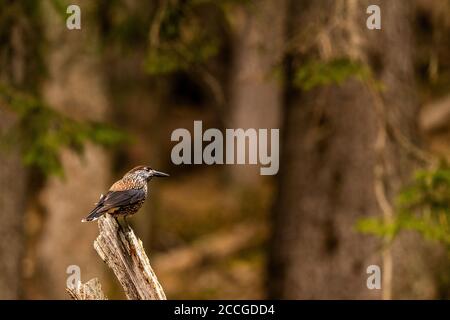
point(74, 87)
point(255, 85)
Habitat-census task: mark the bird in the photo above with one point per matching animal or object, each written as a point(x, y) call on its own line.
point(126, 196)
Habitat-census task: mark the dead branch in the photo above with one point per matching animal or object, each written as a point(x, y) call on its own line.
point(124, 254)
point(91, 290)
point(436, 115)
point(211, 248)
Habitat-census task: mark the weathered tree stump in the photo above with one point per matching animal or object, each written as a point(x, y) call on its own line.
point(124, 254)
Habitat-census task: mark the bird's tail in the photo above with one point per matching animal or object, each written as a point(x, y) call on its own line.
point(94, 215)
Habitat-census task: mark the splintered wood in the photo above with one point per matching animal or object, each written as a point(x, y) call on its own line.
point(91, 290)
point(124, 254)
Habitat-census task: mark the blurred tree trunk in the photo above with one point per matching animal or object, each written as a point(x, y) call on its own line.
point(13, 176)
point(255, 91)
point(13, 193)
point(336, 152)
point(136, 99)
point(74, 87)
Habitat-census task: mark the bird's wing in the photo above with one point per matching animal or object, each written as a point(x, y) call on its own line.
point(114, 199)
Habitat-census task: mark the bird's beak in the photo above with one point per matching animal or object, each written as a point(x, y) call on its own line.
point(159, 174)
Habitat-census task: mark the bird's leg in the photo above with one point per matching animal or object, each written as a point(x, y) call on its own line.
point(120, 225)
point(126, 221)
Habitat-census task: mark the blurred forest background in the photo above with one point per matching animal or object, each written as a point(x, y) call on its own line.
point(364, 117)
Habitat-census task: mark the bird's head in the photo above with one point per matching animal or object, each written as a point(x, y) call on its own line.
point(145, 172)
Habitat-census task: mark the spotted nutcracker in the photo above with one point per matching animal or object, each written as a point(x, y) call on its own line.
point(126, 196)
